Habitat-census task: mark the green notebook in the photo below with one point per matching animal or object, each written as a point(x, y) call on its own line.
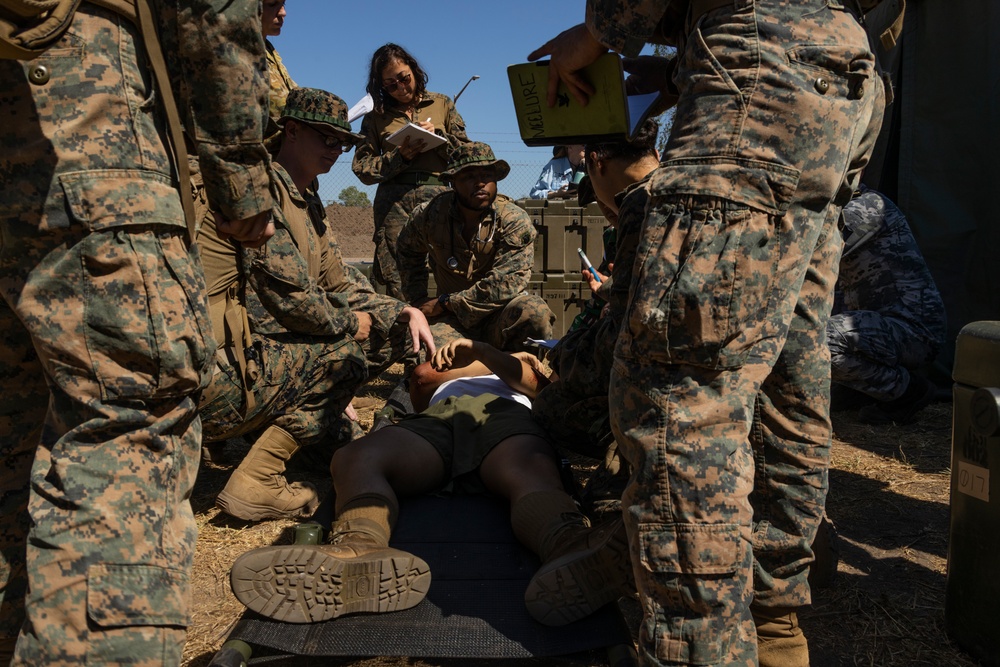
point(611, 115)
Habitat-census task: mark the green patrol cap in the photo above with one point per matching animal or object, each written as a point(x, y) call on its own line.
point(473, 154)
point(318, 107)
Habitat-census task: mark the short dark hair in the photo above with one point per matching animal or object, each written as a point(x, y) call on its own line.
point(643, 144)
point(380, 59)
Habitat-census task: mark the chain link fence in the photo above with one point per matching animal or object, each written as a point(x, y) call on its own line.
point(522, 177)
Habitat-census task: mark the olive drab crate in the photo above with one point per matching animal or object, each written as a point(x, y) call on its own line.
point(972, 596)
point(565, 295)
point(562, 227)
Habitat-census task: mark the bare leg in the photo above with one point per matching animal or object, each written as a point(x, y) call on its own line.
point(519, 465)
point(390, 462)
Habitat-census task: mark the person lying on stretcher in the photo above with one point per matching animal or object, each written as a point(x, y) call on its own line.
point(474, 434)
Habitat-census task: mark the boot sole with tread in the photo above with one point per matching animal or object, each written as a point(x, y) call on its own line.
point(579, 583)
point(307, 584)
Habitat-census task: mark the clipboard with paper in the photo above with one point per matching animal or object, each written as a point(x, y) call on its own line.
point(415, 132)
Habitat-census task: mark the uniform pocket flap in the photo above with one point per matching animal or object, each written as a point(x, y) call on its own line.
point(690, 548)
point(130, 595)
point(766, 186)
point(105, 198)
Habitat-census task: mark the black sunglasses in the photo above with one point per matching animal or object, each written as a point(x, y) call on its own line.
point(400, 80)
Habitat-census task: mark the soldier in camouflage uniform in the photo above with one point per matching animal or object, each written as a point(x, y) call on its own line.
point(723, 339)
point(102, 319)
point(303, 331)
point(888, 317)
point(480, 246)
point(407, 175)
point(272, 20)
point(574, 410)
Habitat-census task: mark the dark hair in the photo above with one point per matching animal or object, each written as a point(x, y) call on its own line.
point(380, 60)
point(643, 144)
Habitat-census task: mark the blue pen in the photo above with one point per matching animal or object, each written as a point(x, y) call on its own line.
point(587, 265)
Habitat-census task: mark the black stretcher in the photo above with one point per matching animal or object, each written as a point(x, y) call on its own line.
point(474, 609)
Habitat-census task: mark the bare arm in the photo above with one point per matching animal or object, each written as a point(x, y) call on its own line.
point(520, 374)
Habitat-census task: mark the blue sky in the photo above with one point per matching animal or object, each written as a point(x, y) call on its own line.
point(326, 44)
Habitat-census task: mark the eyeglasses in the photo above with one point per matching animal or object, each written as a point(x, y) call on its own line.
point(401, 80)
point(332, 140)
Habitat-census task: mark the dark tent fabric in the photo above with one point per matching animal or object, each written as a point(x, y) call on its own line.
point(936, 156)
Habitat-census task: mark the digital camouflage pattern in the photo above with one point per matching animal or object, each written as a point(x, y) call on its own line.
point(488, 301)
point(888, 316)
point(720, 385)
point(300, 299)
point(473, 154)
point(281, 82)
point(318, 107)
point(101, 319)
point(574, 410)
point(402, 184)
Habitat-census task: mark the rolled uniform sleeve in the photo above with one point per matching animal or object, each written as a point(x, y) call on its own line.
point(454, 125)
point(218, 48)
point(509, 274)
point(371, 164)
point(625, 27)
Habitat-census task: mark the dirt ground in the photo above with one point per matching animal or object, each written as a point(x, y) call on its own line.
point(354, 226)
point(889, 500)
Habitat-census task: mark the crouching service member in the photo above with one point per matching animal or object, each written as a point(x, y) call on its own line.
point(476, 436)
point(300, 330)
point(888, 317)
point(480, 248)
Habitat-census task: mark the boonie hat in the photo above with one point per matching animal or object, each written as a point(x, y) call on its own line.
point(473, 154)
point(318, 107)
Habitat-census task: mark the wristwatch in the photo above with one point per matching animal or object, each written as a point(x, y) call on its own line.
point(443, 300)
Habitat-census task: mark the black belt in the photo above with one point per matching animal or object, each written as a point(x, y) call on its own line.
point(416, 178)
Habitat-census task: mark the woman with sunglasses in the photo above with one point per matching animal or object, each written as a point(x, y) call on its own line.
point(409, 174)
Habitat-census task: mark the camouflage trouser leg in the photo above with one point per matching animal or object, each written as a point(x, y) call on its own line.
point(779, 107)
point(113, 318)
point(392, 207)
point(525, 316)
point(791, 437)
point(446, 328)
point(303, 388)
point(683, 431)
point(872, 353)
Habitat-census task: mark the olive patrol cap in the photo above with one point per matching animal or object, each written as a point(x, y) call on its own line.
point(318, 107)
point(473, 154)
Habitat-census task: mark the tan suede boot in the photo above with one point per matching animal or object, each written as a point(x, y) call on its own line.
point(780, 642)
point(583, 568)
point(358, 572)
point(258, 490)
